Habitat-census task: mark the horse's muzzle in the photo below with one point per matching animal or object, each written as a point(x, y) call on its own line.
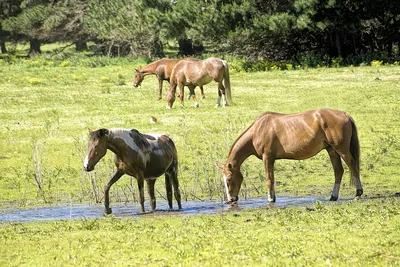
point(135, 85)
point(88, 168)
point(233, 200)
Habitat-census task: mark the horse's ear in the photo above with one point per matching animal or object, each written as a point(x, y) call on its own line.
point(103, 132)
point(220, 165)
point(137, 70)
point(89, 131)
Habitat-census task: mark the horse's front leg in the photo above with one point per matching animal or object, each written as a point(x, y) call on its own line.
point(181, 93)
point(202, 92)
point(270, 179)
point(193, 94)
point(150, 190)
point(160, 84)
point(118, 173)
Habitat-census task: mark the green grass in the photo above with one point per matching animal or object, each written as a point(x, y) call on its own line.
point(361, 233)
point(47, 105)
point(45, 111)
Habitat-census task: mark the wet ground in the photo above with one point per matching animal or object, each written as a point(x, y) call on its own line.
point(120, 210)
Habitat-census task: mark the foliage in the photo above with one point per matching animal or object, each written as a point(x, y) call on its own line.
point(272, 30)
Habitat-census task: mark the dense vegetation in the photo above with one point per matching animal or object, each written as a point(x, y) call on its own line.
point(306, 32)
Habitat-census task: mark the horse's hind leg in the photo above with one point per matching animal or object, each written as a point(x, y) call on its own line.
point(150, 190)
point(118, 173)
point(173, 175)
point(221, 92)
point(338, 169)
point(355, 173)
point(168, 188)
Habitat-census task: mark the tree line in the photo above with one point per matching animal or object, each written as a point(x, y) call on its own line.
point(274, 30)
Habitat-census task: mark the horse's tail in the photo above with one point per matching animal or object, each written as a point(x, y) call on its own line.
point(227, 82)
point(355, 149)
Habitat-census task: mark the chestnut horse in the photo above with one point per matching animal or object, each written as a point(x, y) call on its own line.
point(199, 73)
point(274, 136)
point(142, 156)
point(162, 69)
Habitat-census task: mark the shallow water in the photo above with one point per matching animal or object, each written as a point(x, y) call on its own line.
point(120, 210)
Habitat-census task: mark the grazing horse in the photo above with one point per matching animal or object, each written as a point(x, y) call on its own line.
point(274, 136)
point(199, 73)
point(162, 69)
point(142, 156)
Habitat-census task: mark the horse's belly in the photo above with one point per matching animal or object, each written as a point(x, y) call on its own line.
point(199, 82)
point(300, 150)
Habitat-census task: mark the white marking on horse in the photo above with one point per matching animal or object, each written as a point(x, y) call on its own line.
point(335, 191)
point(226, 188)
point(86, 162)
point(124, 134)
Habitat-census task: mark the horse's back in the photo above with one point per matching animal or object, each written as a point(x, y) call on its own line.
point(300, 135)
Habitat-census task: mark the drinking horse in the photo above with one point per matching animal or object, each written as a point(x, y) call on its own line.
point(162, 69)
point(274, 136)
point(142, 156)
point(199, 73)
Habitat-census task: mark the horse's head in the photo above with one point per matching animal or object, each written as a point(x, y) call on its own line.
point(97, 148)
point(232, 179)
point(138, 78)
point(170, 97)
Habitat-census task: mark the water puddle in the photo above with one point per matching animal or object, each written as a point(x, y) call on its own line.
point(120, 210)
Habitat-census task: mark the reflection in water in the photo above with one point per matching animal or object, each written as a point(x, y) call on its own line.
point(129, 210)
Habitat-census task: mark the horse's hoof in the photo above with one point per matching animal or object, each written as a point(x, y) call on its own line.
point(168, 107)
point(217, 105)
point(196, 105)
point(107, 211)
point(203, 97)
point(333, 198)
point(357, 198)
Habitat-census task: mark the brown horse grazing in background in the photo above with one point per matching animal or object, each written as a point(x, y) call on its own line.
point(162, 69)
point(299, 136)
point(142, 156)
point(199, 73)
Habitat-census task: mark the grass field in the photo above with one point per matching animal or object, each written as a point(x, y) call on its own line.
point(46, 111)
point(344, 234)
point(47, 107)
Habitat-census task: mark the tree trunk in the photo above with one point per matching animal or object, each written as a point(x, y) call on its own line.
point(3, 48)
point(34, 47)
point(339, 50)
point(81, 46)
point(185, 47)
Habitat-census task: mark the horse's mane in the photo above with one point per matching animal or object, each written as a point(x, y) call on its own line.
point(241, 135)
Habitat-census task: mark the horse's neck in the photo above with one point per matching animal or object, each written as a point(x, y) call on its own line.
point(241, 149)
point(117, 142)
point(149, 69)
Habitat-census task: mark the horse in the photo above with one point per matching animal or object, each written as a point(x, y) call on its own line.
point(274, 136)
point(143, 156)
point(199, 73)
point(162, 69)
